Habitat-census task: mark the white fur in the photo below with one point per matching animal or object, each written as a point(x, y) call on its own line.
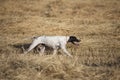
point(54, 42)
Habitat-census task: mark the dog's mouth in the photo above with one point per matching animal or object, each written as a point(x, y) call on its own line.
point(76, 43)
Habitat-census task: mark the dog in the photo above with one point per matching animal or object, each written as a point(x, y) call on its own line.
point(55, 42)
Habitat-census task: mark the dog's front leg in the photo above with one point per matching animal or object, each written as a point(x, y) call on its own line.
point(66, 52)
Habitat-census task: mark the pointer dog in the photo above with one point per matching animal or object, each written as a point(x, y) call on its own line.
point(55, 42)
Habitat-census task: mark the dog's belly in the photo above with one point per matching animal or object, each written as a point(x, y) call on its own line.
point(52, 44)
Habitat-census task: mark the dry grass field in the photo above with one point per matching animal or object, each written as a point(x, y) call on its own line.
point(95, 22)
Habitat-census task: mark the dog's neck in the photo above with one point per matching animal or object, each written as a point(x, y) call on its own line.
point(68, 39)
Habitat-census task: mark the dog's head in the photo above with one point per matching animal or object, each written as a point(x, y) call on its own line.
point(74, 40)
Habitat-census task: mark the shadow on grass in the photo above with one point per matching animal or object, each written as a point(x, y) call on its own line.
point(19, 46)
point(48, 50)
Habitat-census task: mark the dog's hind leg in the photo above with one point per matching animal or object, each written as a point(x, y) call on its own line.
point(42, 49)
point(54, 51)
point(23, 49)
point(33, 45)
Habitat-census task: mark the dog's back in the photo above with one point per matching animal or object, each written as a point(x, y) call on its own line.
point(53, 41)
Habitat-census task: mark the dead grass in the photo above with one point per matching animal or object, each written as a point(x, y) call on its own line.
point(96, 23)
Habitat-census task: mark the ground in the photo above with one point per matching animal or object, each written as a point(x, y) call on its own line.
point(95, 22)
